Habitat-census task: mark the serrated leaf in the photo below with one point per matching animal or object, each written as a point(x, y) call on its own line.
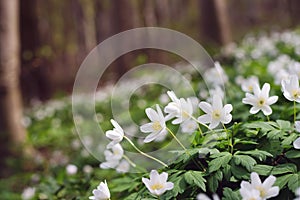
point(247, 161)
point(221, 160)
point(292, 154)
point(179, 186)
point(195, 178)
point(259, 154)
point(213, 181)
point(264, 170)
point(228, 194)
point(274, 134)
point(239, 172)
point(284, 168)
point(284, 125)
point(264, 126)
point(289, 140)
point(294, 182)
point(227, 172)
point(281, 181)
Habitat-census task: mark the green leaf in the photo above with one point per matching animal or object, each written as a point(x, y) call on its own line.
point(289, 140)
point(294, 182)
point(195, 178)
point(281, 181)
point(264, 170)
point(259, 154)
point(244, 160)
point(239, 172)
point(179, 186)
point(284, 168)
point(292, 154)
point(221, 160)
point(213, 181)
point(284, 125)
point(227, 172)
point(274, 134)
point(228, 194)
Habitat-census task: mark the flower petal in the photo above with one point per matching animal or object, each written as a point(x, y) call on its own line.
point(296, 143)
point(269, 181)
point(255, 180)
point(272, 100)
point(273, 192)
point(147, 128)
point(205, 119)
point(267, 110)
point(206, 107)
point(254, 110)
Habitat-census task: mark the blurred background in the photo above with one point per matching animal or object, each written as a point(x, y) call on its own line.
point(43, 43)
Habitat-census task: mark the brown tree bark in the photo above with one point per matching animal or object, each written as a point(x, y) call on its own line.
point(11, 129)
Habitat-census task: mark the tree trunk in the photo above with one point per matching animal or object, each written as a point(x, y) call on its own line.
point(223, 21)
point(11, 130)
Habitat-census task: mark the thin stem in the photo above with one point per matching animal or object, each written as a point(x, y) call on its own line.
point(268, 118)
point(200, 122)
point(294, 111)
point(177, 140)
point(229, 139)
point(174, 136)
point(144, 154)
point(129, 161)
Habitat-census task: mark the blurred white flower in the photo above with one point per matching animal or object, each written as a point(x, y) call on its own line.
point(112, 157)
point(157, 184)
point(156, 127)
point(216, 90)
point(71, 169)
point(163, 98)
point(215, 112)
point(260, 100)
point(123, 166)
point(116, 135)
point(248, 84)
point(88, 169)
point(266, 189)
point(28, 193)
point(297, 126)
point(26, 121)
point(189, 126)
point(216, 75)
point(290, 88)
point(297, 193)
point(101, 193)
point(173, 108)
point(203, 196)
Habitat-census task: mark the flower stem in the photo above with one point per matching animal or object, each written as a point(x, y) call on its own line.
point(229, 139)
point(177, 140)
point(294, 111)
point(268, 118)
point(144, 154)
point(200, 123)
point(128, 160)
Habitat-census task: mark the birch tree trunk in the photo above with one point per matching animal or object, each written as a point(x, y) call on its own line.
point(11, 130)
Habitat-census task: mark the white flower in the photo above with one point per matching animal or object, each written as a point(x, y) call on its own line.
point(291, 89)
point(215, 113)
point(189, 126)
point(116, 135)
point(28, 193)
point(180, 108)
point(248, 84)
point(101, 193)
point(173, 108)
point(297, 126)
point(216, 75)
point(250, 194)
point(297, 193)
point(157, 126)
point(265, 189)
point(296, 143)
point(157, 184)
point(112, 157)
point(71, 169)
point(123, 167)
point(203, 196)
point(260, 100)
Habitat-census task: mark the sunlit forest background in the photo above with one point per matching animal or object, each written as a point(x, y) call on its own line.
point(43, 43)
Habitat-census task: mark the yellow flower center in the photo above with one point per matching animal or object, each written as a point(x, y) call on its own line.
point(185, 114)
point(156, 126)
point(295, 93)
point(250, 88)
point(262, 191)
point(216, 114)
point(157, 186)
point(261, 102)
